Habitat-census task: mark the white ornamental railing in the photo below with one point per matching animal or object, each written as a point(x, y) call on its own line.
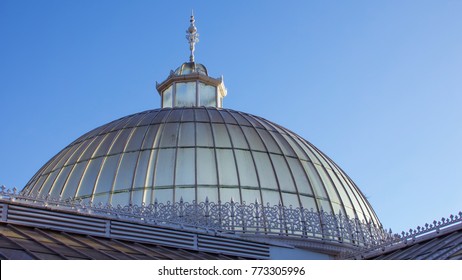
point(229, 217)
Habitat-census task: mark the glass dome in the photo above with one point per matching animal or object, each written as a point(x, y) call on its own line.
point(194, 153)
point(191, 67)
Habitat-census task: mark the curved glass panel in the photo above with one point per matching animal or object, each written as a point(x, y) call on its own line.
point(165, 167)
point(206, 167)
point(185, 167)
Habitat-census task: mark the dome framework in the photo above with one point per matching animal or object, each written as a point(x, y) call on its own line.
point(195, 153)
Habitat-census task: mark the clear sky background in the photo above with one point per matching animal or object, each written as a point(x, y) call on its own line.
point(376, 85)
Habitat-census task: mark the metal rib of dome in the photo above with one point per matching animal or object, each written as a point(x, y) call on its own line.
point(198, 153)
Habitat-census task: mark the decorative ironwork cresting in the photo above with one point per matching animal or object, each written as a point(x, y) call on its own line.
point(192, 36)
point(229, 217)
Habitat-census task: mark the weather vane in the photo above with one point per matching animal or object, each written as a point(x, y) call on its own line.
point(192, 37)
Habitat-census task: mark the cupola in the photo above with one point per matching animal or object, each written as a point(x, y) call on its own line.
point(190, 85)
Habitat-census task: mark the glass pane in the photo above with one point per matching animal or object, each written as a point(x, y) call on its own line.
point(340, 189)
point(330, 189)
point(185, 94)
point(150, 171)
point(204, 192)
point(120, 142)
point(226, 167)
point(337, 208)
point(253, 138)
point(271, 197)
point(175, 115)
point(207, 95)
point(240, 119)
point(188, 115)
point(215, 116)
point(161, 116)
point(136, 139)
point(107, 175)
point(206, 169)
point(265, 171)
point(169, 135)
point(89, 179)
point(148, 196)
point(226, 194)
point(316, 184)
point(227, 116)
point(289, 199)
point(152, 138)
point(221, 136)
point(126, 171)
point(66, 153)
point(188, 194)
point(50, 165)
point(91, 148)
point(135, 120)
point(59, 183)
point(106, 143)
point(163, 195)
point(358, 199)
point(253, 120)
point(283, 174)
point(237, 137)
point(141, 169)
point(308, 151)
point(74, 179)
point(164, 168)
point(121, 199)
point(286, 148)
point(77, 151)
point(323, 160)
point(167, 97)
point(38, 184)
point(101, 198)
point(108, 127)
point(300, 153)
point(325, 205)
point(201, 115)
point(148, 117)
point(204, 135)
point(267, 125)
point(49, 182)
point(121, 123)
point(185, 167)
point(269, 141)
point(301, 180)
point(308, 203)
point(136, 197)
point(247, 174)
point(187, 134)
point(249, 196)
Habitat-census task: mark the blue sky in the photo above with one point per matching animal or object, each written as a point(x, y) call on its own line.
point(375, 85)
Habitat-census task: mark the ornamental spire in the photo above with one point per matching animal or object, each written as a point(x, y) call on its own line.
point(192, 36)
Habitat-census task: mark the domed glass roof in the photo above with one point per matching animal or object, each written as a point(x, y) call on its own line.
point(194, 153)
point(191, 67)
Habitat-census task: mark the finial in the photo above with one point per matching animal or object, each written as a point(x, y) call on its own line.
point(192, 37)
